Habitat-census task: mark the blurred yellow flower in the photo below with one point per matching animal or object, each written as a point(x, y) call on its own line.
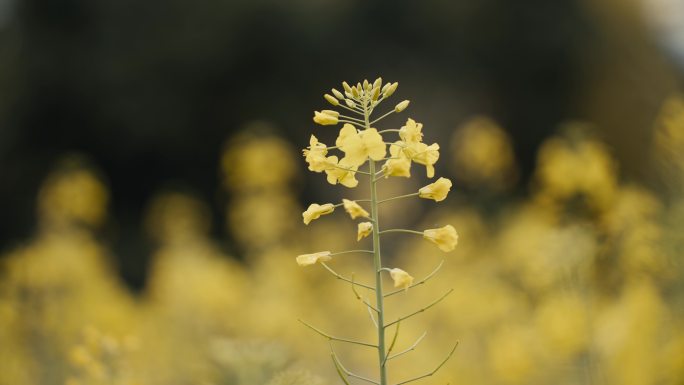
point(310, 259)
point(315, 155)
point(358, 147)
point(401, 278)
point(326, 117)
point(398, 165)
point(437, 190)
point(411, 132)
point(445, 237)
point(341, 172)
point(354, 209)
point(315, 211)
point(364, 230)
point(346, 132)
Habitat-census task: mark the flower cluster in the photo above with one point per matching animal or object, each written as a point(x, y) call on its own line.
point(364, 149)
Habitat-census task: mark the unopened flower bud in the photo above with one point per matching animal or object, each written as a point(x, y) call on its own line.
point(366, 84)
point(376, 93)
point(346, 87)
point(377, 83)
point(355, 91)
point(326, 117)
point(337, 94)
point(387, 92)
point(401, 106)
point(331, 99)
point(350, 103)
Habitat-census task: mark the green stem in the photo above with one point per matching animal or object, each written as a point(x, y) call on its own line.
point(401, 231)
point(377, 262)
point(398, 197)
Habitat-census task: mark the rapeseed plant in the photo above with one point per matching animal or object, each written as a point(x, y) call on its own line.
point(361, 143)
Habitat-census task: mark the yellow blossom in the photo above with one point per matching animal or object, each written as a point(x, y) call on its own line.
point(315, 211)
point(346, 132)
point(445, 237)
point(398, 165)
point(426, 155)
point(326, 117)
point(364, 230)
point(437, 190)
point(354, 209)
point(310, 259)
point(341, 172)
point(401, 278)
point(315, 155)
point(360, 146)
point(411, 132)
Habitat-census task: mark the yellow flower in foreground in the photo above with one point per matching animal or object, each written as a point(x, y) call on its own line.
point(310, 259)
point(326, 117)
point(423, 154)
point(411, 132)
point(364, 230)
point(401, 278)
point(315, 211)
point(341, 172)
point(315, 155)
point(445, 237)
point(354, 209)
point(437, 191)
point(360, 146)
point(399, 165)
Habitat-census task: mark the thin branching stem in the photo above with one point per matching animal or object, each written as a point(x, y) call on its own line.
point(401, 231)
point(352, 251)
point(333, 338)
point(422, 281)
point(360, 121)
point(410, 348)
point(382, 117)
point(333, 272)
point(347, 372)
point(435, 302)
point(394, 341)
point(434, 371)
point(398, 197)
point(350, 169)
point(359, 296)
point(357, 124)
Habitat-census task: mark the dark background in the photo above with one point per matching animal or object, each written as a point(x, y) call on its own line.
point(150, 90)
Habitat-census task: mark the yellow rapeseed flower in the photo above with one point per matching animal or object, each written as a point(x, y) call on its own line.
point(358, 147)
point(423, 154)
point(445, 237)
point(341, 172)
point(354, 209)
point(326, 117)
point(437, 190)
point(398, 165)
point(315, 155)
point(310, 259)
point(364, 230)
point(401, 278)
point(315, 211)
point(411, 132)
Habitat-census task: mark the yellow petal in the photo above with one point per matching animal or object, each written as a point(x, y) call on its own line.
point(437, 190)
point(401, 278)
point(310, 259)
point(315, 211)
point(446, 238)
point(363, 230)
point(354, 209)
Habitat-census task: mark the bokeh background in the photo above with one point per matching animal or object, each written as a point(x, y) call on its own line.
point(151, 189)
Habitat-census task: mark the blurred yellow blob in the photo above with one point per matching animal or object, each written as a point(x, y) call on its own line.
point(257, 159)
point(483, 155)
point(72, 194)
point(575, 163)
